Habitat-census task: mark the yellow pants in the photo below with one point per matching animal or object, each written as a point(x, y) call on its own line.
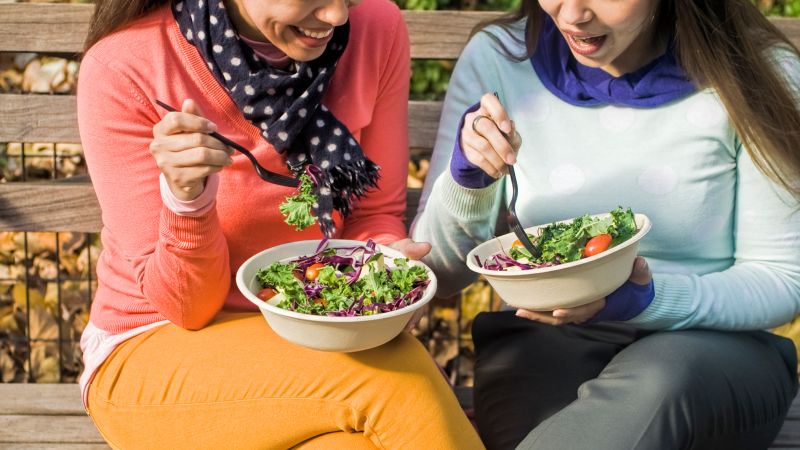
point(237, 385)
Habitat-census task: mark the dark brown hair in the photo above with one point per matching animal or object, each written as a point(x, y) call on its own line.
point(110, 15)
point(723, 44)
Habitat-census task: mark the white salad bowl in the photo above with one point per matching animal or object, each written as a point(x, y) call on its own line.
point(332, 334)
point(565, 285)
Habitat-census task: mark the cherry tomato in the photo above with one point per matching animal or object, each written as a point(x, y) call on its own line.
point(312, 272)
point(597, 244)
point(516, 243)
point(266, 294)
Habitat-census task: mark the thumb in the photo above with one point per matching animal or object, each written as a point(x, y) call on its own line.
point(641, 272)
point(417, 250)
point(190, 107)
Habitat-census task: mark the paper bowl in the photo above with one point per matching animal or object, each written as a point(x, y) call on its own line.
point(331, 334)
point(565, 285)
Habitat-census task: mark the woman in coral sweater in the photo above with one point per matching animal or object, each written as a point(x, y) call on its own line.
point(173, 358)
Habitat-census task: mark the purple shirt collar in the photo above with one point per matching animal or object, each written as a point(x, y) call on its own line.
point(659, 82)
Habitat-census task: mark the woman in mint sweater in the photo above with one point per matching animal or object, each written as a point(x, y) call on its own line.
point(685, 111)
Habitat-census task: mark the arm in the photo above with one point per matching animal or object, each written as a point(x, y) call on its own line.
point(453, 218)
point(380, 214)
point(762, 288)
point(180, 263)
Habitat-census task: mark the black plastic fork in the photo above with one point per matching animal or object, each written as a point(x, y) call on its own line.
point(265, 174)
point(513, 220)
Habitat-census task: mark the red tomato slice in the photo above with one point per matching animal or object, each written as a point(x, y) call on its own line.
point(312, 272)
point(597, 244)
point(266, 294)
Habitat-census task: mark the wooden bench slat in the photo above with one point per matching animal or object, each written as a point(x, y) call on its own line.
point(49, 206)
point(54, 118)
point(63, 206)
point(36, 399)
point(54, 446)
point(56, 429)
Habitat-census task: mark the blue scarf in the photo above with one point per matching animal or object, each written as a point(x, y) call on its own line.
point(659, 82)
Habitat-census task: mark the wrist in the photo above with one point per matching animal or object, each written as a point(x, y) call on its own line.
point(465, 173)
point(627, 302)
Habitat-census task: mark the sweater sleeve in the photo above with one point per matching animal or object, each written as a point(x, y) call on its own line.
point(762, 288)
point(455, 219)
point(381, 212)
point(180, 263)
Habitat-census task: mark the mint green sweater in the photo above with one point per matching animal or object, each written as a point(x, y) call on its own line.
point(725, 243)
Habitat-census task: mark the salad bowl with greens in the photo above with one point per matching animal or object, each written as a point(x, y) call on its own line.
point(336, 295)
point(581, 260)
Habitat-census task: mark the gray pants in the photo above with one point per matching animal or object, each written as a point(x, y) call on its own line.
point(609, 386)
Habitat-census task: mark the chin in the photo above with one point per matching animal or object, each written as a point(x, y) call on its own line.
point(305, 55)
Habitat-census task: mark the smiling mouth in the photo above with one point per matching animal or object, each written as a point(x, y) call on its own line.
point(585, 45)
point(314, 34)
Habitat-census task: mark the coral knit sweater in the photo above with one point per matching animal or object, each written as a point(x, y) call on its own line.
point(158, 265)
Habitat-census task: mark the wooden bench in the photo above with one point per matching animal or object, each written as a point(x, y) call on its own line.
point(50, 416)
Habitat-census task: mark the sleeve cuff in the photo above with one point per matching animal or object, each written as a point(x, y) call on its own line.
point(192, 208)
point(464, 172)
point(466, 205)
point(671, 305)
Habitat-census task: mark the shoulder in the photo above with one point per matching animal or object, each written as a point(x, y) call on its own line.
point(377, 25)
point(497, 41)
point(140, 39)
point(787, 65)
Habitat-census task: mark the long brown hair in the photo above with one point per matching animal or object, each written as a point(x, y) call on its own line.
point(724, 45)
point(110, 15)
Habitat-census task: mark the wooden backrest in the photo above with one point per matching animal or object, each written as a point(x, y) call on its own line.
point(61, 28)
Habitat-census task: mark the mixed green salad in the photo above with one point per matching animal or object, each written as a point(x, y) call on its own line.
point(560, 243)
point(296, 209)
point(343, 281)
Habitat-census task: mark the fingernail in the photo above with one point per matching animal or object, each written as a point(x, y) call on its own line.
point(211, 126)
point(511, 158)
point(505, 126)
point(559, 313)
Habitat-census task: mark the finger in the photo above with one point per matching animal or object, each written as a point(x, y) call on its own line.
point(479, 151)
point(641, 273)
point(494, 109)
point(502, 146)
point(200, 156)
point(544, 317)
point(191, 178)
point(181, 122)
point(516, 139)
point(185, 141)
point(581, 313)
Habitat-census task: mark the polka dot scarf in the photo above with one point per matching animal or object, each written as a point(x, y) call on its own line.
point(286, 106)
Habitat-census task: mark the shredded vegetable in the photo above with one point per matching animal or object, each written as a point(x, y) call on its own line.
point(343, 281)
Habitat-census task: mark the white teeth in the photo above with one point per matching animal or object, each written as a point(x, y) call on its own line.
point(315, 34)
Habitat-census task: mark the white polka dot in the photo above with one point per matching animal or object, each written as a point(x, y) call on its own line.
point(323, 70)
point(304, 94)
point(315, 140)
point(201, 35)
point(537, 109)
point(221, 5)
point(347, 156)
point(189, 35)
point(617, 119)
point(706, 111)
point(229, 33)
point(326, 216)
point(265, 134)
point(179, 6)
point(331, 147)
point(337, 131)
point(289, 91)
point(567, 179)
point(227, 77)
point(217, 48)
point(271, 91)
point(268, 110)
point(199, 3)
point(320, 123)
point(249, 90)
point(295, 75)
point(212, 19)
point(320, 88)
point(315, 205)
point(302, 112)
point(323, 107)
point(273, 76)
point(351, 141)
point(325, 164)
point(658, 180)
point(248, 109)
point(309, 72)
point(210, 66)
point(324, 191)
point(301, 157)
point(283, 135)
point(263, 125)
point(284, 116)
point(236, 61)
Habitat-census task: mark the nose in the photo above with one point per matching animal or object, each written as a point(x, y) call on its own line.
point(336, 12)
point(574, 12)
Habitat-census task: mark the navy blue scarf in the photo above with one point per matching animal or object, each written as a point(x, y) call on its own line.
point(285, 105)
point(660, 81)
